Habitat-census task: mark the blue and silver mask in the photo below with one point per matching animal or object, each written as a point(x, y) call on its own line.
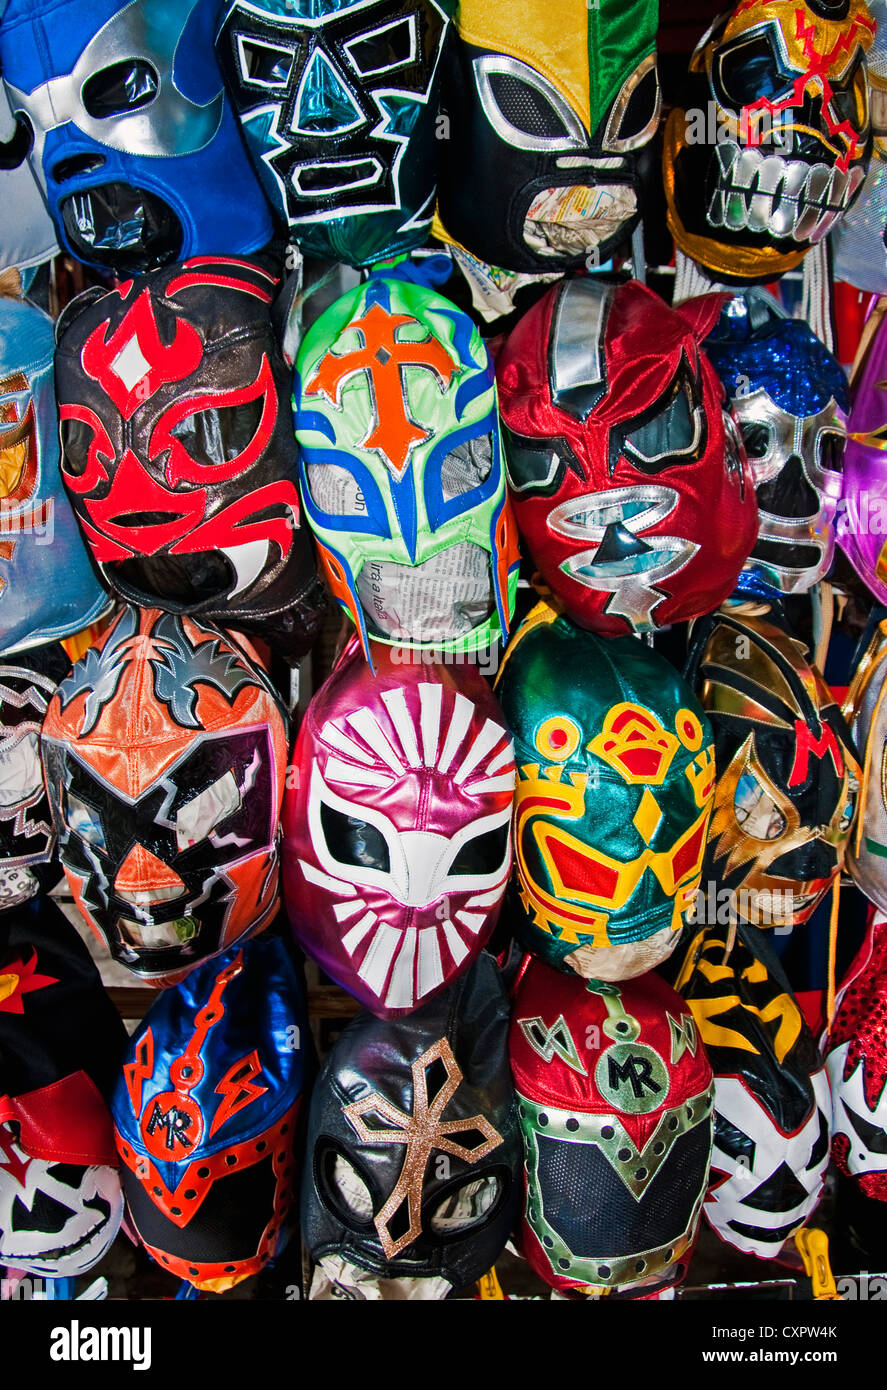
point(338, 101)
point(48, 588)
point(790, 398)
point(129, 130)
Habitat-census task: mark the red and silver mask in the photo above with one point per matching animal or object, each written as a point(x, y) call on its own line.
point(396, 832)
point(629, 480)
point(178, 448)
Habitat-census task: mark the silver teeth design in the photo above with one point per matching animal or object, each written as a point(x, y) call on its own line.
point(783, 197)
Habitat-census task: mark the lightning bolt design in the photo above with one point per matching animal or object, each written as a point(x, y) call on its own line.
point(238, 1089)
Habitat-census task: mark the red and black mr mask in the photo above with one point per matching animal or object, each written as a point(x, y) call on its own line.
point(178, 448)
point(628, 479)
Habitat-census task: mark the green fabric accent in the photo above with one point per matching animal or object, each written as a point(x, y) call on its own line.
point(620, 36)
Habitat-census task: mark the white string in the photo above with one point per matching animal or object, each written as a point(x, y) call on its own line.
point(815, 305)
point(690, 280)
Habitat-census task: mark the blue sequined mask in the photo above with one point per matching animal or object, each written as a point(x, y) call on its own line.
point(790, 397)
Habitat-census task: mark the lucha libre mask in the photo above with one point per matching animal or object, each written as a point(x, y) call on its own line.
point(614, 1095)
point(205, 1116)
point(396, 827)
point(628, 481)
point(790, 398)
point(788, 775)
point(61, 1041)
point(26, 231)
point(862, 528)
point(857, 1067)
point(772, 1099)
point(129, 131)
point(27, 838)
point(39, 538)
point(413, 1155)
point(548, 112)
point(860, 253)
point(616, 776)
point(865, 712)
point(338, 104)
point(401, 469)
point(773, 141)
point(165, 754)
point(178, 449)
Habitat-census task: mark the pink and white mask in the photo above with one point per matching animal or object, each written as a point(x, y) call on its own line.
point(396, 830)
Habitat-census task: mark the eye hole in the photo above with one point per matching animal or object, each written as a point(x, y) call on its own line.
point(466, 1207)
point(343, 1188)
point(536, 465)
point(757, 438)
point(334, 490)
point(830, 450)
point(204, 812)
point(71, 1174)
point(846, 820)
point(635, 112)
point(747, 71)
point(21, 771)
point(211, 437)
point(524, 109)
point(353, 841)
point(673, 433)
point(483, 854)
point(76, 437)
point(850, 99)
point(120, 88)
point(466, 467)
point(755, 810)
point(384, 49)
point(84, 821)
point(264, 64)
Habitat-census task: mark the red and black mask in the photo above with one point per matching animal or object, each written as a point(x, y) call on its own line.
point(629, 481)
point(178, 448)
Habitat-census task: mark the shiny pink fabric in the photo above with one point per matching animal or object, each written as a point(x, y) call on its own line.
point(396, 826)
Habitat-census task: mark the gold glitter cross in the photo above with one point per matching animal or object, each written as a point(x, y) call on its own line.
point(436, 1078)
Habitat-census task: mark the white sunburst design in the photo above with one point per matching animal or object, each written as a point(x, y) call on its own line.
point(370, 750)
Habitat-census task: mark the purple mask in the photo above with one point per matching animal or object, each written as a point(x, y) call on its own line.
point(862, 512)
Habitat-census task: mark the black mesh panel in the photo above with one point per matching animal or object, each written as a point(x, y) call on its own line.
point(585, 1201)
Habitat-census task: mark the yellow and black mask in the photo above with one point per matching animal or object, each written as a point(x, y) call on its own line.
point(788, 774)
point(548, 111)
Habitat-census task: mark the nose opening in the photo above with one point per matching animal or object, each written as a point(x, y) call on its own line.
point(789, 494)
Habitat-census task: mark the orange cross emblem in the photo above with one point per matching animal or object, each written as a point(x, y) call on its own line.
point(383, 357)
